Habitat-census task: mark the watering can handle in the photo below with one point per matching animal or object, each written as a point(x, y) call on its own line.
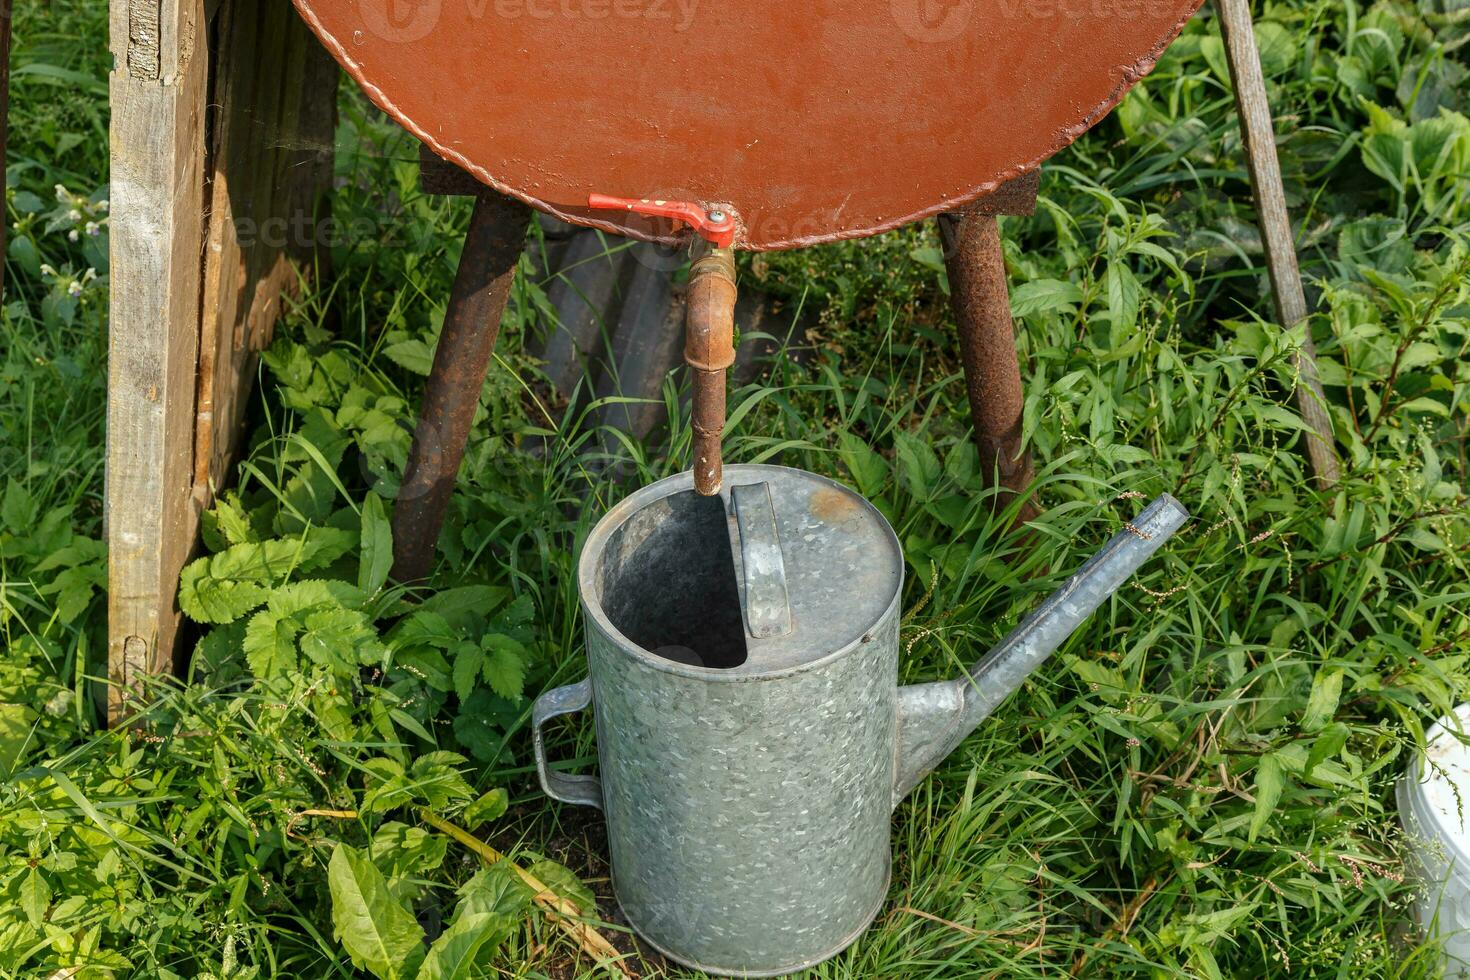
point(767, 601)
point(577, 790)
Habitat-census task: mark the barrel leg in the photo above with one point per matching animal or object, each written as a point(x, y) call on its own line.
point(981, 301)
point(492, 250)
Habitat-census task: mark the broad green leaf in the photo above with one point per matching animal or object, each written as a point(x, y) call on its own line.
point(427, 664)
point(1322, 702)
point(1269, 780)
point(453, 955)
point(1044, 296)
point(1124, 297)
point(921, 468)
point(35, 897)
point(411, 355)
point(1328, 743)
point(232, 521)
point(19, 509)
point(378, 932)
point(494, 890)
point(491, 806)
point(377, 545)
point(560, 879)
point(16, 721)
point(868, 469)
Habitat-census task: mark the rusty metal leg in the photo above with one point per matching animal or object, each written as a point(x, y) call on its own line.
point(982, 308)
point(492, 249)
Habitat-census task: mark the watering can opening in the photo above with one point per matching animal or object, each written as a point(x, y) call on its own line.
point(781, 572)
point(668, 583)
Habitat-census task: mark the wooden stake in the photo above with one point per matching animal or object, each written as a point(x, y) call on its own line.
point(4, 122)
point(1259, 133)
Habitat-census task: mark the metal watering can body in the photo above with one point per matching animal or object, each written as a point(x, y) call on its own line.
point(752, 737)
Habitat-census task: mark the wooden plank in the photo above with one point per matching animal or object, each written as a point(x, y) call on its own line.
point(157, 145)
point(221, 147)
point(4, 117)
point(274, 105)
point(1259, 132)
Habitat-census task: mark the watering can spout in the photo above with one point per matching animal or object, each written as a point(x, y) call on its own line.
point(935, 718)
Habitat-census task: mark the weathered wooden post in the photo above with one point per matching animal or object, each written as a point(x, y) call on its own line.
point(1259, 133)
point(221, 137)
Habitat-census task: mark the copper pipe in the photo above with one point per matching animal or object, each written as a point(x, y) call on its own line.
point(709, 349)
point(982, 310)
point(492, 249)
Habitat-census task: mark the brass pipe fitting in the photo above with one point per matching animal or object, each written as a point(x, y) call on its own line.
point(709, 349)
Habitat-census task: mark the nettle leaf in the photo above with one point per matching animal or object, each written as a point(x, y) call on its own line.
point(469, 658)
point(404, 850)
point(342, 639)
point(479, 722)
point(505, 665)
point(223, 587)
point(392, 789)
point(205, 599)
point(437, 780)
point(426, 664)
point(377, 545)
point(465, 605)
point(423, 628)
point(378, 932)
point(232, 522)
point(311, 618)
point(270, 644)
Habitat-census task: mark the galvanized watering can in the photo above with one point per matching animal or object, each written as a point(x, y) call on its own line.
point(752, 737)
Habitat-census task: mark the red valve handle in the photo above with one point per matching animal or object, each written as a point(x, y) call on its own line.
point(715, 226)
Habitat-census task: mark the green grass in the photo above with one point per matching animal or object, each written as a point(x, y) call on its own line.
point(1199, 784)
